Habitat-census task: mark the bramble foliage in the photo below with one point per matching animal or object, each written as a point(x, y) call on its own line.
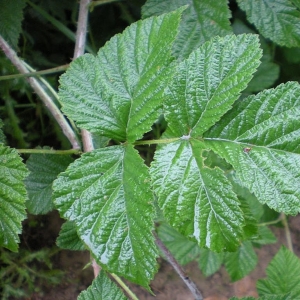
point(224, 157)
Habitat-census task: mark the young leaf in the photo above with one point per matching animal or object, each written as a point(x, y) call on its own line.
point(44, 169)
point(118, 93)
point(12, 197)
point(210, 262)
point(258, 138)
point(201, 21)
point(11, 16)
point(183, 249)
point(283, 275)
point(107, 194)
point(68, 237)
point(208, 82)
point(240, 263)
point(196, 200)
point(102, 288)
point(278, 20)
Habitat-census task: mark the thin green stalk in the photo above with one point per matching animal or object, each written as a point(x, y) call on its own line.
point(36, 73)
point(287, 232)
point(279, 219)
point(161, 141)
point(100, 2)
point(124, 287)
point(49, 151)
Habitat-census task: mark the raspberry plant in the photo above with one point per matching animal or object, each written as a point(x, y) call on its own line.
point(224, 152)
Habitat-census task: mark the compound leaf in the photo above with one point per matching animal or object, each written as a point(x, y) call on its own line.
point(44, 169)
point(201, 21)
point(12, 197)
point(208, 82)
point(282, 275)
point(196, 200)
point(278, 20)
point(11, 16)
point(112, 206)
point(118, 93)
point(102, 288)
point(68, 237)
point(238, 264)
point(260, 138)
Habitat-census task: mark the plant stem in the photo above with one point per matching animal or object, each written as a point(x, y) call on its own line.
point(124, 286)
point(54, 110)
point(279, 219)
point(189, 283)
point(287, 232)
point(50, 151)
point(37, 73)
point(161, 141)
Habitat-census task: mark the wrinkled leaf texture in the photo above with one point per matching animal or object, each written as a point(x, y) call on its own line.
point(278, 20)
point(197, 200)
point(12, 197)
point(201, 21)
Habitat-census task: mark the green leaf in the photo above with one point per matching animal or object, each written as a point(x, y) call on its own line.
point(201, 21)
point(258, 138)
point(283, 275)
point(196, 200)
point(68, 237)
point(44, 169)
point(288, 296)
point(118, 93)
point(240, 263)
point(208, 82)
point(107, 194)
point(102, 288)
point(183, 249)
point(210, 262)
point(266, 236)
point(12, 197)
point(278, 20)
point(11, 16)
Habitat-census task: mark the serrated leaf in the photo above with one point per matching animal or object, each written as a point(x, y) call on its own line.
point(68, 237)
point(265, 236)
point(210, 262)
point(118, 93)
point(201, 21)
point(12, 197)
point(260, 137)
point(283, 275)
point(182, 248)
point(196, 200)
point(240, 263)
point(44, 169)
point(208, 82)
point(278, 20)
point(107, 194)
point(102, 288)
point(11, 16)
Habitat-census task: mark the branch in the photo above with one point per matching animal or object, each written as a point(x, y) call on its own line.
point(54, 110)
point(189, 283)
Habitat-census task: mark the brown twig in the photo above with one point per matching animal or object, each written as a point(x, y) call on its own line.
point(189, 283)
point(53, 109)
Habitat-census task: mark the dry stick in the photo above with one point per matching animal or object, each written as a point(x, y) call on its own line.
point(54, 110)
point(189, 283)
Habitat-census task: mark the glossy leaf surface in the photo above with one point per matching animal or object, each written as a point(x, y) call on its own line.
point(112, 206)
point(260, 138)
point(12, 197)
point(201, 21)
point(208, 82)
point(196, 200)
point(44, 169)
point(278, 20)
point(282, 275)
point(118, 93)
point(102, 288)
point(68, 237)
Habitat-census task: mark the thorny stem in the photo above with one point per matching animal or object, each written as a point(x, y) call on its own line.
point(54, 110)
point(189, 283)
point(124, 286)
